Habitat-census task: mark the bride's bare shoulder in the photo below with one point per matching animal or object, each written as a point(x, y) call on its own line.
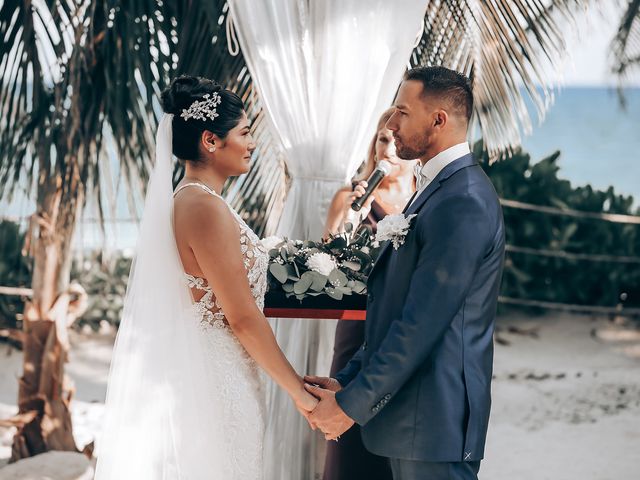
point(200, 212)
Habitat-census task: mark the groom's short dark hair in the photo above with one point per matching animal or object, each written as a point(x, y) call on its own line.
point(451, 85)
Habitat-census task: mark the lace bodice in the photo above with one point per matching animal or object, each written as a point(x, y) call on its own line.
point(256, 263)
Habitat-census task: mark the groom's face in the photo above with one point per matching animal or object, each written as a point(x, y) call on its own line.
point(412, 123)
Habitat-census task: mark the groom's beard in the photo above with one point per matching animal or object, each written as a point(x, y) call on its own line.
point(415, 146)
point(411, 148)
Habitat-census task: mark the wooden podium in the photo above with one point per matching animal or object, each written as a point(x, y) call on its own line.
point(351, 307)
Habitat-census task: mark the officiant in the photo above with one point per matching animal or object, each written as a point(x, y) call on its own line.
point(348, 458)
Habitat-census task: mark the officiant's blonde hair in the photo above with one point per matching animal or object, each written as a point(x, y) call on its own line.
point(369, 165)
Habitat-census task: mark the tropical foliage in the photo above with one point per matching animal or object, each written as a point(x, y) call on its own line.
point(564, 259)
point(15, 271)
point(104, 277)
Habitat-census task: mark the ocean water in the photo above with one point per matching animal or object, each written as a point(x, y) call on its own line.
point(599, 141)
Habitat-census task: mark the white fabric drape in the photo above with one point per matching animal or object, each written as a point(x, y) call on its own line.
point(325, 71)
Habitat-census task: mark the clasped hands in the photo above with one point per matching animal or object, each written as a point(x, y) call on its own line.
point(327, 414)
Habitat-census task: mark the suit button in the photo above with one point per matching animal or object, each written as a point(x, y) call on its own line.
point(387, 396)
point(364, 345)
point(370, 297)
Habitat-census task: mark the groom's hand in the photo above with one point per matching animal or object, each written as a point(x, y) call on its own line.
point(324, 382)
point(328, 415)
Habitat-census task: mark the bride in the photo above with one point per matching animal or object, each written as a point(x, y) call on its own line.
point(185, 397)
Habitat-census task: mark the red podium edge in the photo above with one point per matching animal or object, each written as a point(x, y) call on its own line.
point(314, 313)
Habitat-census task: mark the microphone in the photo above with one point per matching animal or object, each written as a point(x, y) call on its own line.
point(381, 171)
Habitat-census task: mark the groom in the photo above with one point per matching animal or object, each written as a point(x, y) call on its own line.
point(420, 386)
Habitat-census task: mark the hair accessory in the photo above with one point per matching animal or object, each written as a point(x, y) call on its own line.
point(203, 109)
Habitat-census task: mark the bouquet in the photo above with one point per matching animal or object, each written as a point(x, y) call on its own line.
point(335, 267)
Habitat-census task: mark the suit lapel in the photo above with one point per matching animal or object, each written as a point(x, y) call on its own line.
point(453, 167)
point(414, 207)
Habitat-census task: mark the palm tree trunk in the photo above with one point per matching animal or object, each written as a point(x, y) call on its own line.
point(44, 419)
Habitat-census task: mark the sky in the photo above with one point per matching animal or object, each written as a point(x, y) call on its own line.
point(588, 48)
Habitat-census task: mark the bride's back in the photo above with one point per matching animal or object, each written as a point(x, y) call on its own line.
point(186, 203)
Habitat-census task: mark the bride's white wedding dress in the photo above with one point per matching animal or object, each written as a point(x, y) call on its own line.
point(239, 385)
point(184, 401)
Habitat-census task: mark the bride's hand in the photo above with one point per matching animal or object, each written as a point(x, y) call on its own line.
point(305, 403)
point(304, 400)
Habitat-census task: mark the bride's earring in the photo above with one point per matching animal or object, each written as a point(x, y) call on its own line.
point(212, 149)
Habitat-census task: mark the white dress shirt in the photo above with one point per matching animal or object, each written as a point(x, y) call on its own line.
point(434, 166)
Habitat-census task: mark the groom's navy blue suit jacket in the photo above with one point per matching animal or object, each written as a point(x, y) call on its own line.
point(420, 385)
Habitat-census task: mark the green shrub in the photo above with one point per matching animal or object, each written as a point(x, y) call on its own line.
point(558, 279)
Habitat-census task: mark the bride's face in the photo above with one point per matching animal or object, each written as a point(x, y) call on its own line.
point(233, 154)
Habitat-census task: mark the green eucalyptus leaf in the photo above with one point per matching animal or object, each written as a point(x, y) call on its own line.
point(292, 273)
point(355, 266)
point(333, 293)
point(359, 287)
point(297, 270)
point(337, 278)
point(302, 285)
point(319, 281)
point(308, 274)
point(279, 272)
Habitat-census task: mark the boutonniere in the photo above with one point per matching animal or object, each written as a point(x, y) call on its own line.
point(394, 228)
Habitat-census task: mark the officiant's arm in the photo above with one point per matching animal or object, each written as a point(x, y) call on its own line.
point(455, 236)
point(340, 211)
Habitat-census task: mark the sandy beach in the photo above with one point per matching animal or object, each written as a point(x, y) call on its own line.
point(566, 397)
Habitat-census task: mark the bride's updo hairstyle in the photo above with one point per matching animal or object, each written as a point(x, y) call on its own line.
point(181, 94)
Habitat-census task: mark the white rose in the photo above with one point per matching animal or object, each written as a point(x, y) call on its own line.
point(271, 242)
point(322, 263)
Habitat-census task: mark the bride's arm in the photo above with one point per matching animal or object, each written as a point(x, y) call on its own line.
point(214, 237)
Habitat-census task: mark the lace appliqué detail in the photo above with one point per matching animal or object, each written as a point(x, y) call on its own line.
point(256, 263)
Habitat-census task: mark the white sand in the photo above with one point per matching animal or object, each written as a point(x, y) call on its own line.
point(566, 405)
point(580, 423)
point(50, 466)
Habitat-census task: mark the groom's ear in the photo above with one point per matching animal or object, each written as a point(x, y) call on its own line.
point(440, 118)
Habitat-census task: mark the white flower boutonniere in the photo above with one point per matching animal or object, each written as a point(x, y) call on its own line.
point(394, 228)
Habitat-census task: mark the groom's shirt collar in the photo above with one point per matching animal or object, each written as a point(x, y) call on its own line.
point(434, 166)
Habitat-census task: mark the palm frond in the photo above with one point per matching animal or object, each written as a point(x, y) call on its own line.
point(507, 48)
point(625, 47)
point(31, 52)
